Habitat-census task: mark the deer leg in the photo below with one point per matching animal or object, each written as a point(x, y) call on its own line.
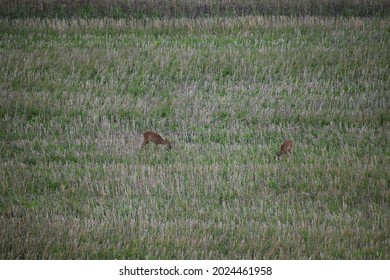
point(144, 143)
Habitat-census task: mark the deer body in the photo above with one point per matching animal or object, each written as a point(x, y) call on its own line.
point(285, 149)
point(150, 136)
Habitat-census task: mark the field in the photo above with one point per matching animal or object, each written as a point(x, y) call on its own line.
point(77, 93)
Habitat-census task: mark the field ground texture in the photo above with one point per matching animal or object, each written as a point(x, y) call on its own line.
point(190, 8)
point(76, 95)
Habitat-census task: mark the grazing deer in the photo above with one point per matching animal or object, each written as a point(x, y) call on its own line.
point(285, 148)
point(154, 137)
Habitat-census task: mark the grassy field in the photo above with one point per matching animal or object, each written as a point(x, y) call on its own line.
point(76, 95)
point(190, 8)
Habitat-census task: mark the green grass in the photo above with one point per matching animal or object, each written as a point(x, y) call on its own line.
point(192, 9)
point(76, 95)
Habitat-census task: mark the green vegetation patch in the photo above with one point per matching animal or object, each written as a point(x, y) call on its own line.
point(78, 92)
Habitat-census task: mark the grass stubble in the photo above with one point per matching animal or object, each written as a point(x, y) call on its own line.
point(76, 95)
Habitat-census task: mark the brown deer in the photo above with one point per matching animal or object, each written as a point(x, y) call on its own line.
point(154, 137)
point(285, 149)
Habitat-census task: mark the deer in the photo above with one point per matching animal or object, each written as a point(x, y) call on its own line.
point(150, 136)
point(285, 149)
